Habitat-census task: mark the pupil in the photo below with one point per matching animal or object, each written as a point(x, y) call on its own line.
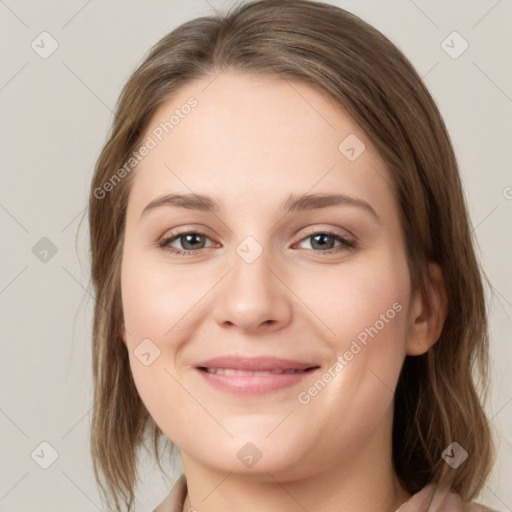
point(323, 244)
point(188, 239)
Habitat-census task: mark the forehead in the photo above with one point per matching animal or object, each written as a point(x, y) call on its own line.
point(257, 134)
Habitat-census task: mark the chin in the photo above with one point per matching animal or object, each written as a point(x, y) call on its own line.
point(253, 458)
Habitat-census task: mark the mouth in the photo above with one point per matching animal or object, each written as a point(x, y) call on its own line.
point(254, 376)
point(232, 371)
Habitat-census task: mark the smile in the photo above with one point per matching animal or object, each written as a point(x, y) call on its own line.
point(253, 375)
point(231, 371)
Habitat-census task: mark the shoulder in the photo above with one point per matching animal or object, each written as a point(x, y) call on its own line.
point(477, 507)
point(440, 501)
point(173, 502)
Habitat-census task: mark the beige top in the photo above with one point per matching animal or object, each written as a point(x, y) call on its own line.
point(450, 502)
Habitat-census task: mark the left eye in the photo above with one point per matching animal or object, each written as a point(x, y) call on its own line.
point(322, 242)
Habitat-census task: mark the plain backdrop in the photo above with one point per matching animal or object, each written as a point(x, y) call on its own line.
point(55, 113)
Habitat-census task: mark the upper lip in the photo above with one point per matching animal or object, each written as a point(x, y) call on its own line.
point(255, 364)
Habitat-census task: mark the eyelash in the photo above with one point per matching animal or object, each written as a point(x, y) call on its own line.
point(346, 244)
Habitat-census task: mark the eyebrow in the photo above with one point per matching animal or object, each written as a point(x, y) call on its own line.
point(294, 203)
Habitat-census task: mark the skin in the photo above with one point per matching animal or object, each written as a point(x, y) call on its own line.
point(250, 142)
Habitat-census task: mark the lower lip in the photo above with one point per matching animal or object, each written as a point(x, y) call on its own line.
point(253, 384)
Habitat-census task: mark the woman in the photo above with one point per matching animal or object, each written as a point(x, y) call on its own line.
point(286, 283)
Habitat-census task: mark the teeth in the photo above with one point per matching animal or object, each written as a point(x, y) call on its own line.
point(230, 371)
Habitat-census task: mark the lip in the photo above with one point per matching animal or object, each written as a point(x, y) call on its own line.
point(253, 375)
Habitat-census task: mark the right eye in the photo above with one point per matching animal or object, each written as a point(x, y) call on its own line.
point(192, 239)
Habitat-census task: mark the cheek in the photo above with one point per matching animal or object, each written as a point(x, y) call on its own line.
point(365, 310)
point(152, 309)
point(155, 300)
point(364, 301)
point(160, 309)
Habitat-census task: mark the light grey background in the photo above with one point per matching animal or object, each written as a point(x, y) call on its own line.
point(55, 113)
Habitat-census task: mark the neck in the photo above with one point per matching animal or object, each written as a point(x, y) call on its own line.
point(363, 481)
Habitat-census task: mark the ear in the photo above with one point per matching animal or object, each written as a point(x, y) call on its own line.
point(428, 314)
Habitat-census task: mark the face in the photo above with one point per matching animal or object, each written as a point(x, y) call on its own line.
point(265, 328)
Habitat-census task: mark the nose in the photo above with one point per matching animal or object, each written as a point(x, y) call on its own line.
point(253, 296)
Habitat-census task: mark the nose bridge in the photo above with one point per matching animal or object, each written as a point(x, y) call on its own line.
point(252, 279)
point(252, 295)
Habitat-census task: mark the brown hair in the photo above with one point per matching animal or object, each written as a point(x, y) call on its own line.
point(336, 52)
